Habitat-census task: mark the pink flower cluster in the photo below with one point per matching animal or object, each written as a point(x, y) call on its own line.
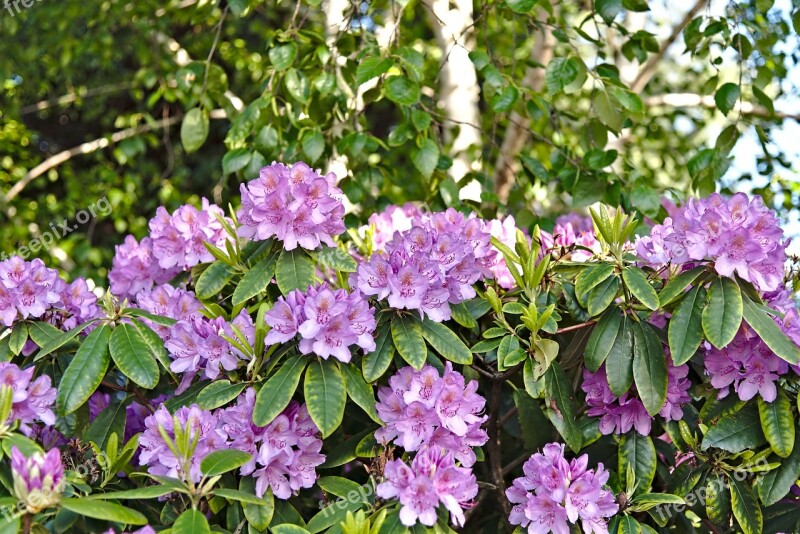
point(32, 401)
point(572, 232)
point(430, 266)
point(422, 409)
point(285, 453)
point(197, 344)
point(329, 321)
point(554, 493)
point(740, 235)
point(432, 479)
point(29, 290)
point(175, 244)
point(168, 301)
point(620, 414)
point(294, 204)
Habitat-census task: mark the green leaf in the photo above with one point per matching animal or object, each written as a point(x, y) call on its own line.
point(107, 511)
point(236, 160)
point(288, 528)
point(18, 337)
point(132, 356)
point(446, 343)
point(726, 97)
point(147, 492)
point(531, 421)
point(275, 395)
point(408, 340)
point(560, 72)
point(325, 393)
point(521, 6)
point(361, 392)
point(222, 461)
point(375, 364)
point(460, 314)
point(194, 129)
point(678, 285)
point(774, 485)
point(401, 90)
point(770, 333)
point(629, 100)
point(25, 445)
point(639, 453)
point(607, 111)
point(560, 406)
point(313, 145)
point(722, 315)
point(43, 333)
point(338, 486)
point(336, 258)
point(504, 100)
point(745, 507)
point(608, 9)
point(718, 500)
point(685, 329)
point(777, 422)
point(591, 278)
point(239, 496)
point(85, 371)
point(191, 522)
point(213, 280)
point(736, 432)
point(283, 56)
point(635, 5)
point(258, 515)
point(56, 343)
point(649, 367)
point(425, 157)
point(628, 525)
point(371, 67)
point(619, 364)
point(219, 393)
point(602, 339)
point(294, 270)
point(255, 280)
point(602, 296)
point(110, 421)
point(637, 283)
point(297, 85)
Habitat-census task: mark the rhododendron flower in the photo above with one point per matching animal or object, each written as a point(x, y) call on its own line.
point(38, 479)
point(620, 414)
point(572, 232)
point(328, 321)
point(294, 204)
point(740, 235)
point(134, 268)
point(422, 408)
point(168, 301)
point(554, 493)
point(32, 400)
point(432, 479)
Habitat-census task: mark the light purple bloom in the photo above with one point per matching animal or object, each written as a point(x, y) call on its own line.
point(32, 400)
point(573, 235)
point(38, 479)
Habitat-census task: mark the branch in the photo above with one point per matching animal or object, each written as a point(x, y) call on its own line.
point(72, 97)
point(649, 68)
point(692, 100)
point(93, 146)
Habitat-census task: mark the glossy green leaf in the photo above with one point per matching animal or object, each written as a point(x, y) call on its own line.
point(722, 316)
point(194, 129)
point(107, 511)
point(213, 280)
point(774, 485)
point(602, 296)
point(446, 342)
point(147, 492)
point(639, 453)
point(685, 329)
point(336, 258)
point(649, 367)
point(219, 393)
point(745, 507)
point(560, 406)
point(401, 90)
point(718, 500)
point(736, 432)
point(408, 340)
point(275, 395)
point(191, 522)
point(602, 339)
point(132, 356)
point(677, 286)
point(294, 270)
point(222, 461)
point(770, 333)
point(425, 157)
point(726, 97)
point(371, 67)
point(326, 394)
point(85, 371)
point(619, 364)
point(258, 515)
point(375, 364)
point(590, 278)
point(521, 6)
point(255, 280)
point(637, 283)
point(777, 422)
point(360, 392)
point(110, 421)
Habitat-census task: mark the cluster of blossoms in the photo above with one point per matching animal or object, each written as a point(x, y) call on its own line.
point(430, 266)
point(740, 235)
point(746, 363)
point(422, 409)
point(175, 244)
point(294, 204)
point(432, 479)
point(198, 344)
point(38, 479)
point(168, 301)
point(31, 401)
point(328, 321)
point(574, 232)
point(620, 414)
point(555, 492)
point(285, 453)
point(28, 289)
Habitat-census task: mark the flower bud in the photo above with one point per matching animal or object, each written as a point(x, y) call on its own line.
point(38, 479)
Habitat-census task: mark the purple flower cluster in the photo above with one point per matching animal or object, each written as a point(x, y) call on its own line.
point(573, 232)
point(285, 453)
point(432, 479)
point(506, 232)
point(294, 204)
point(28, 289)
point(197, 344)
point(393, 219)
point(554, 493)
point(38, 479)
point(134, 269)
point(422, 409)
point(202, 427)
point(430, 266)
point(168, 301)
point(747, 364)
point(620, 414)
point(329, 321)
point(32, 401)
point(740, 235)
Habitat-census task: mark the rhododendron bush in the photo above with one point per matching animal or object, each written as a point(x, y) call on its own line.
point(268, 368)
